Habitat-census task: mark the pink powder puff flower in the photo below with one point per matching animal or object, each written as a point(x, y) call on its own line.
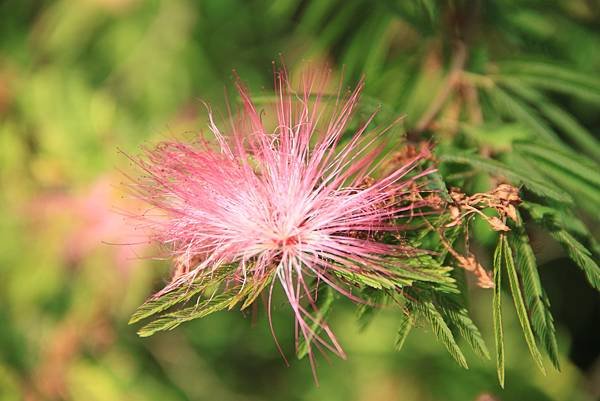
point(290, 203)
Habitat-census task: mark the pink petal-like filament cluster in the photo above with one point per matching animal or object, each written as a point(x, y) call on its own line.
point(289, 203)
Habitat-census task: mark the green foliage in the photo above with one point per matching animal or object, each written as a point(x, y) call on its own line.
point(561, 226)
point(506, 91)
point(497, 311)
point(510, 106)
point(404, 272)
point(554, 77)
point(537, 303)
point(406, 324)
point(581, 255)
point(325, 298)
point(441, 330)
point(180, 294)
point(568, 169)
point(366, 311)
point(519, 301)
point(458, 318)
point(509, 127)
point(499, 169)
point(210, 299)
point(213, 300)
point(169, 321)
point(447, 318)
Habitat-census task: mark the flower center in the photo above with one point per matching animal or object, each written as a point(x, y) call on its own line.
point(287, 241)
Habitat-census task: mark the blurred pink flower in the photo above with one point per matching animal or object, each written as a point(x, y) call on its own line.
point(93, 224)
point(296, 203)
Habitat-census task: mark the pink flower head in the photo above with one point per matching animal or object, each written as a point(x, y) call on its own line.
point(292, 205)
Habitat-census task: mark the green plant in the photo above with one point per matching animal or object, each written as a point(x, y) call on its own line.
point(502, 132)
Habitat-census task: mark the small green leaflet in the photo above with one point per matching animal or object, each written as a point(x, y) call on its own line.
point(515, 287)
point(570, 171)
point(554, 77)
point(204, 308)
point(560, 225)
point(441, 330)
point(326, 297)
point(581, 256)
point(406, 324)
point(537, 303)
point(497, 312)
point(178, 295)
point(497, 168)
point(458, 318)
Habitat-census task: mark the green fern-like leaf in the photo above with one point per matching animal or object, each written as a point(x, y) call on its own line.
point(407, 322)
point(555, 78)
point(457, 317)
point(537, 303)
point(366, 311)
point(497, 168)
point(572, 128)
point(515, 287)
point(497, 312)
point(326, 297)
point(569, 170)
point(560, 225)
point(203, 308)
point(575, 164)
point(581, 256)
point(424, 269)
point(555, 218)
point(441, 330)
point(515, 108)
point(404, 272)
point(374, 280)
point(179, 295)
point(557, 116)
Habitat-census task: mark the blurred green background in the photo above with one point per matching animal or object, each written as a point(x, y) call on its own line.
point(80, 79)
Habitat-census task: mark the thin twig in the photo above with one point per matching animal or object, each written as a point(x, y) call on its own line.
point(456, 66)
